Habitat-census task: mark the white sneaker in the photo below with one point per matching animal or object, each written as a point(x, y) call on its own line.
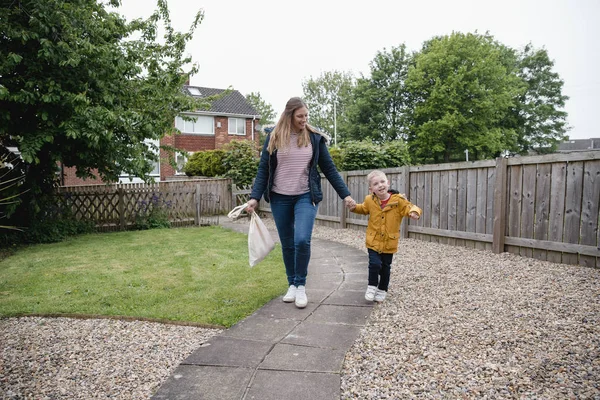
point(301, 299)
point(380, 295)
point(370, 294)
point(290, 296)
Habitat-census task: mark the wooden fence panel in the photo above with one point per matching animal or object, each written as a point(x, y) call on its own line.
point(558, 187)
point(452, 203)
point(573, 207)
point(590, 210)
point(471, 205)
point(435, 203)
point(461, 205)
point(514, 205)
point(481, 205)
point(489, 219)
point(444, 203)
point(528, 207)
point(542, 207)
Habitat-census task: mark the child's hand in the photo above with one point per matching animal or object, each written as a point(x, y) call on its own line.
point(413, 215)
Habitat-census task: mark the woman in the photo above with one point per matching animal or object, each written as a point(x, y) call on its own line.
point(288, 178)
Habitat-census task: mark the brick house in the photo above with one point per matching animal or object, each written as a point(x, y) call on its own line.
point(230, 117)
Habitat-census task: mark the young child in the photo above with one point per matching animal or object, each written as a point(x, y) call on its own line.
point(385, 209)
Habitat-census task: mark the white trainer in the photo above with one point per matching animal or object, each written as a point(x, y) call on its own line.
point(380, 295)
point(370, 294)
point(290, 296)
point(301, 299)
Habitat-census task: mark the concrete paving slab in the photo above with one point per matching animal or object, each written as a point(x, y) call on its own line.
point(322, 281)
point(326, 336)
point(349, 298)
point(355, 285)
point(261, 327)
point(229, 352)
point(326, 267)
point(349, 315)
point(316, 296)
point(205, 383)
point(361, 276)
point(277, 309)
point(278, 385)
point(287, 357)
point(353, 268)
point(325, 278)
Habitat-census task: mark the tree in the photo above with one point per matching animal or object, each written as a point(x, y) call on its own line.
point(82, 86)
point(539, 117)
point(462, 89)
point(327, 98)
point(267, 114)
point(381, 99)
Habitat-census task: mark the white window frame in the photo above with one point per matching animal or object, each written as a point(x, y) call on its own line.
point(125, 178)
point(235, 122)
point(194, 127)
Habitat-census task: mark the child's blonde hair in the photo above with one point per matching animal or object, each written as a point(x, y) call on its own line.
point(375, 173)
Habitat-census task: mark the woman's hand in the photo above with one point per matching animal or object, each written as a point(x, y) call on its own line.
point(349, 202)
point(413, 215)
point(252, 203)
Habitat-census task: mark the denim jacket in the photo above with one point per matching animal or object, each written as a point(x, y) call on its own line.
point(268, 162)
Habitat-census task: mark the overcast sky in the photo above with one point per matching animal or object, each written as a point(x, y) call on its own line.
point(271, 47)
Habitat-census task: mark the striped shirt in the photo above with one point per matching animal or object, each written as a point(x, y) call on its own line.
point(291, 174)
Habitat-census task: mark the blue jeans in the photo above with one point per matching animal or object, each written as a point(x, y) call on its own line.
point(294, 217)
point(380, 265)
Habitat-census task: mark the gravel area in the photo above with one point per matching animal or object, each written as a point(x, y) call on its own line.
point(66, 358)
point(457, 323)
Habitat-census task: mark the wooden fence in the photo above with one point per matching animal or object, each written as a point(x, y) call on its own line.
point(545, 207)
point(116, 207)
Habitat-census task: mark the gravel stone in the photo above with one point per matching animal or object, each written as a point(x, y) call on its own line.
point(457, 323)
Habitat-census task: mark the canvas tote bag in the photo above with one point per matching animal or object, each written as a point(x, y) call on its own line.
point(260, 242)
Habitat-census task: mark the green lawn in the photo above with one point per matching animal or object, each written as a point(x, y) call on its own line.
point(197, 275)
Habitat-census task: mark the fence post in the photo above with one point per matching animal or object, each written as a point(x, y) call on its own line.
point(344, 209)
point(499, 224)
point(405, 174)
point(121, 203)
point(198, 198)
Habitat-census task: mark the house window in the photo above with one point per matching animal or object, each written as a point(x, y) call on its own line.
point(237, 126)
point(180, 160)
point(200, 125)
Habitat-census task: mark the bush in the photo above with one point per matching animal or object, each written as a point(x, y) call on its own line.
point(241, 161)
point(50, 230)
point(337, 156)
point(396, 154)
point(366, 155)
point(205, 163)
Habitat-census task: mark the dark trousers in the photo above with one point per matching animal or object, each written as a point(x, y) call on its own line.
point(380, 265)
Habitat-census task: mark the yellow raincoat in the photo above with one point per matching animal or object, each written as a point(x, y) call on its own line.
point(383, 230)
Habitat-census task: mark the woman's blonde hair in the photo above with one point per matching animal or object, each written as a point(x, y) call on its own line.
point(280, 136)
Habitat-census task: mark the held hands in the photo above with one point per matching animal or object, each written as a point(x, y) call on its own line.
point(252, 203)
point(350, 203)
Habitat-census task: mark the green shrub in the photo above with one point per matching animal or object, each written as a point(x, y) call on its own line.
point(205, 163)
point(362, 155)
point(366, 155)
point(337, 155)
point(240, 161)
point(396, 154)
